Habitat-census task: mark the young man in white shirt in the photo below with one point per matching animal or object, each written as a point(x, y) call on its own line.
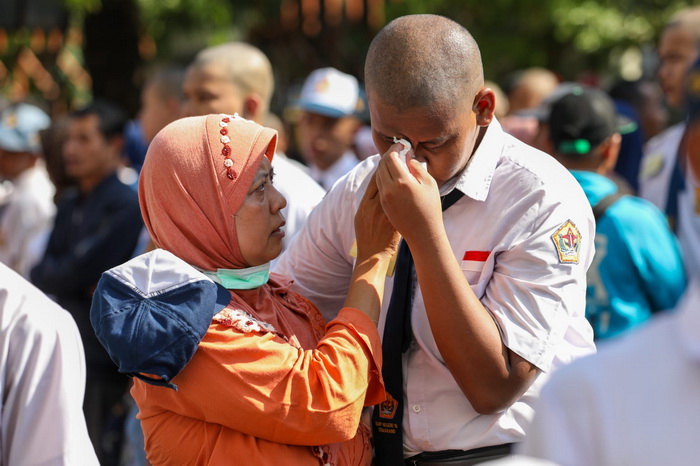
point(501, 274)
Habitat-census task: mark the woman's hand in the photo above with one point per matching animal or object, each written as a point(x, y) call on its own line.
point(377, 241)
point(376, 236)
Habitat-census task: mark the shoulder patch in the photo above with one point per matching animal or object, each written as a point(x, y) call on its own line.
point(567, 242)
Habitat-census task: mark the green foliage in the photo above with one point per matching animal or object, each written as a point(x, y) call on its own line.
point(82, 7)
point(163, 16)
point(569, 36)
point(596, 25)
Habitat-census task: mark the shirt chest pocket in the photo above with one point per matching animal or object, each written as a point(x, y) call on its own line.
point(477, 267)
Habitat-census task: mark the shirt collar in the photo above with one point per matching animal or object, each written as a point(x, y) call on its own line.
point(475, 179)
point(329, 176)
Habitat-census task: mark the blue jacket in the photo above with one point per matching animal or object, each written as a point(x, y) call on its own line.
point(92, 233)
point(637, 268)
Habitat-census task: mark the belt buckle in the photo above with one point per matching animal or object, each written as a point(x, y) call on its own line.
point(413, 461)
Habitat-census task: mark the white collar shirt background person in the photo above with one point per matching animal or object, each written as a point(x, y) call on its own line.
point(327, 178)
point(635, 402)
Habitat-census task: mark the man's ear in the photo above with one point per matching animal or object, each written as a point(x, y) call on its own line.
point(610, 149)
point(484, 106)
point(116, 142)
point(252, 106)
point(174, 106)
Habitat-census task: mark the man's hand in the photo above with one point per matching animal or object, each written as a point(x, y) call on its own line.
point(409, 196)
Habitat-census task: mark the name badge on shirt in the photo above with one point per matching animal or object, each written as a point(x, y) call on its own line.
point(652, 166)
point(567, 242)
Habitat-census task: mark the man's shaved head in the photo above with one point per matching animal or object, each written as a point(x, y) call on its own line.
point(245, 65)
point(688, 19)
point(420, 60)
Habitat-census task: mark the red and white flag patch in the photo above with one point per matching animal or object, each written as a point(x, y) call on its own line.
point(474, 260)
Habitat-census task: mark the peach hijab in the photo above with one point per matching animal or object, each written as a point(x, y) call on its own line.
point(189, 194)
point(196, 174)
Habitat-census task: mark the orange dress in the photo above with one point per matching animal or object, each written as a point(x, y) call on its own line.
point(271, 388)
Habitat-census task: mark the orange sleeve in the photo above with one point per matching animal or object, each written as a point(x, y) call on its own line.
point(259, 384)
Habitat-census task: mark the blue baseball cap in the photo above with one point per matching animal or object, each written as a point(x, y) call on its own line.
point(152, 312)
point(19, 128)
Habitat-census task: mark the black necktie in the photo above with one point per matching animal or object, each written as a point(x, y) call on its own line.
point(676, 184)
point(388, 416)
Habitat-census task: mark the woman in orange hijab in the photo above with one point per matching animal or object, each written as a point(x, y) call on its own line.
point(270, 382)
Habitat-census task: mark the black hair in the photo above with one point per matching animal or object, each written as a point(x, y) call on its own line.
point(112, 118)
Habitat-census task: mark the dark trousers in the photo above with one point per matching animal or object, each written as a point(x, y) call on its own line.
point(105, 412)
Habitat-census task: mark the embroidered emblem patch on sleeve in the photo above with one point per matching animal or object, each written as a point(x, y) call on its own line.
point(567, 241)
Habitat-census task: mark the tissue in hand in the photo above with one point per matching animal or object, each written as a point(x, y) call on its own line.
point(407, 147)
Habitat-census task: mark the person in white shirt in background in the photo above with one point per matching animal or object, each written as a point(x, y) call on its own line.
point(42, 379)
point(30, 209)
point(237, 77)
point(330, 104)
point(666, 177)
point(677, 50)
point(635, 402)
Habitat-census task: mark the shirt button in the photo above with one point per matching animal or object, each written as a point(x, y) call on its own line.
point(416, 408)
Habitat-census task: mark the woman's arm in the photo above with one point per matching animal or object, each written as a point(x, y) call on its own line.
point(259, 384)
point(377, 241)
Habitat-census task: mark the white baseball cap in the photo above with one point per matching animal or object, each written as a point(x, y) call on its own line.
point(330, 92)
point(19, 128)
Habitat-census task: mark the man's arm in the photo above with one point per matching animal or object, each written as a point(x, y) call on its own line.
point(457, 316)
point(491, 376)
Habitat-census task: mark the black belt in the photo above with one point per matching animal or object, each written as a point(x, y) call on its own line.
point(459, 457)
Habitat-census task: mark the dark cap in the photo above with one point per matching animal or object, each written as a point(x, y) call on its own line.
point(151, 313)
point(584, 117)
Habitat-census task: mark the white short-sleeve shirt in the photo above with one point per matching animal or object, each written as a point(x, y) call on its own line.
point(523, 234)
point(28, 216)
point(42, 379)
point(636, 402)
point(657, 165)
